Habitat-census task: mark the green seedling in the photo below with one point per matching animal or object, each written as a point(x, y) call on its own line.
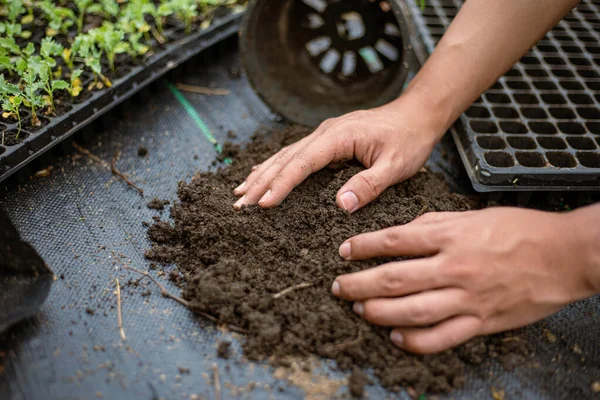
point(161, 12)
point(31, 98)
point(15, 8)
point(187, 10)
point(43, 66)
point(82, 6)
point(85, 48)
point(60, 19)
point(133, 17)
point(106, 8)
point(135, 47)
point(110, 41)
point(75, 85)
point(11, 103)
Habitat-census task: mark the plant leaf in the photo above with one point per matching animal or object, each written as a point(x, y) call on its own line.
point(59, 85)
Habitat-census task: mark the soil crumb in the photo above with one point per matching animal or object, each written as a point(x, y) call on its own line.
point(157, 204)
point(229, 151)
point(223, 349)
point(142, 151)
point(357, 382)
point(233, 263)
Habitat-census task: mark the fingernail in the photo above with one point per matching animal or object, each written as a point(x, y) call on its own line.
point(345, 250)
point(349, 201)
point(397, 338)
point(238, 204)
point(254, 168)
point(358, 308)
point(237, 189)
point(265, 197)
point(335, 288)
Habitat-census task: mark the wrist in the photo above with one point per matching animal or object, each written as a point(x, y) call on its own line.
point(585, 224)
point(428, 106)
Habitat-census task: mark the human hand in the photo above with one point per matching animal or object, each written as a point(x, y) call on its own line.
point(487, 271)
point(392, 142)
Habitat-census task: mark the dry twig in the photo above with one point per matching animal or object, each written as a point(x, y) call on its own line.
point(202, 90)
point(114, 170)
point(119, 313)
point(112, 166)
point(217, 380)
point(291, 289)
point(181, 301)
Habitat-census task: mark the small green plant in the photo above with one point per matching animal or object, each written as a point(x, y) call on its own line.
point(160, 13)
point(48, 51)
point(135, 47)
point(11, 103)
point(60, 19)
point(31, 98)
point(106, 8)
point(75, 85)
point(187, 10)
point(110, 41)
point(82, 7)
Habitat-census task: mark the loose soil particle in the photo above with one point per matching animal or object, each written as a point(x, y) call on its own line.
point(234, 262)
point(357, 382)
point(223, 349)
point(157, 204)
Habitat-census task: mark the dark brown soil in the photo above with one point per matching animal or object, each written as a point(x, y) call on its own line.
point(233, 263)
point(142, 151)
point(157, 204)
point(223, 349)
point(357, 382)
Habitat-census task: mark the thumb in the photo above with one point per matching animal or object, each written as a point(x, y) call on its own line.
point(364, 187)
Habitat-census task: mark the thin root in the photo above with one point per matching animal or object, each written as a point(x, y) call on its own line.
point(217, 380)
point(291, 289)
point(119, 313)
point(114, 170)
point(202, 90)
point(112, 166)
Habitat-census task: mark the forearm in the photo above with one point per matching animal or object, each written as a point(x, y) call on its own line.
point(584, 225)
point(485, 39)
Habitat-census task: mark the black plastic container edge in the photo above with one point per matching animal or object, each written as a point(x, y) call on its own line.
point(533, 174)
point(81, 115)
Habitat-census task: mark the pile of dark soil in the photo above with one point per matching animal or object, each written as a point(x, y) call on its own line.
point(234, 262)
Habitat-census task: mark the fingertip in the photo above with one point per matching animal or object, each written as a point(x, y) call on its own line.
point(348, 201)
point(345, 250)
point(397, 338)
point(240, 190)
point(336, 289)
point(240, 203)
point(264, 200)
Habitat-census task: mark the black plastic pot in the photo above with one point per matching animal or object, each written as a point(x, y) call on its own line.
point(311, 60)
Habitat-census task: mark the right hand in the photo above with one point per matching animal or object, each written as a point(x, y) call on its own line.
point(392, 142)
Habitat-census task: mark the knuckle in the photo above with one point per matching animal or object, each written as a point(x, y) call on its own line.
point(390, 239)
point(418, 315)
point(370, 183)
point(389, 282)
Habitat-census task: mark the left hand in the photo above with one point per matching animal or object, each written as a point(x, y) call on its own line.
point(485, 272)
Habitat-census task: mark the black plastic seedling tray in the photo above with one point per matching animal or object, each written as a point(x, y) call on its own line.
point(12, 158)
point(538, 127)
